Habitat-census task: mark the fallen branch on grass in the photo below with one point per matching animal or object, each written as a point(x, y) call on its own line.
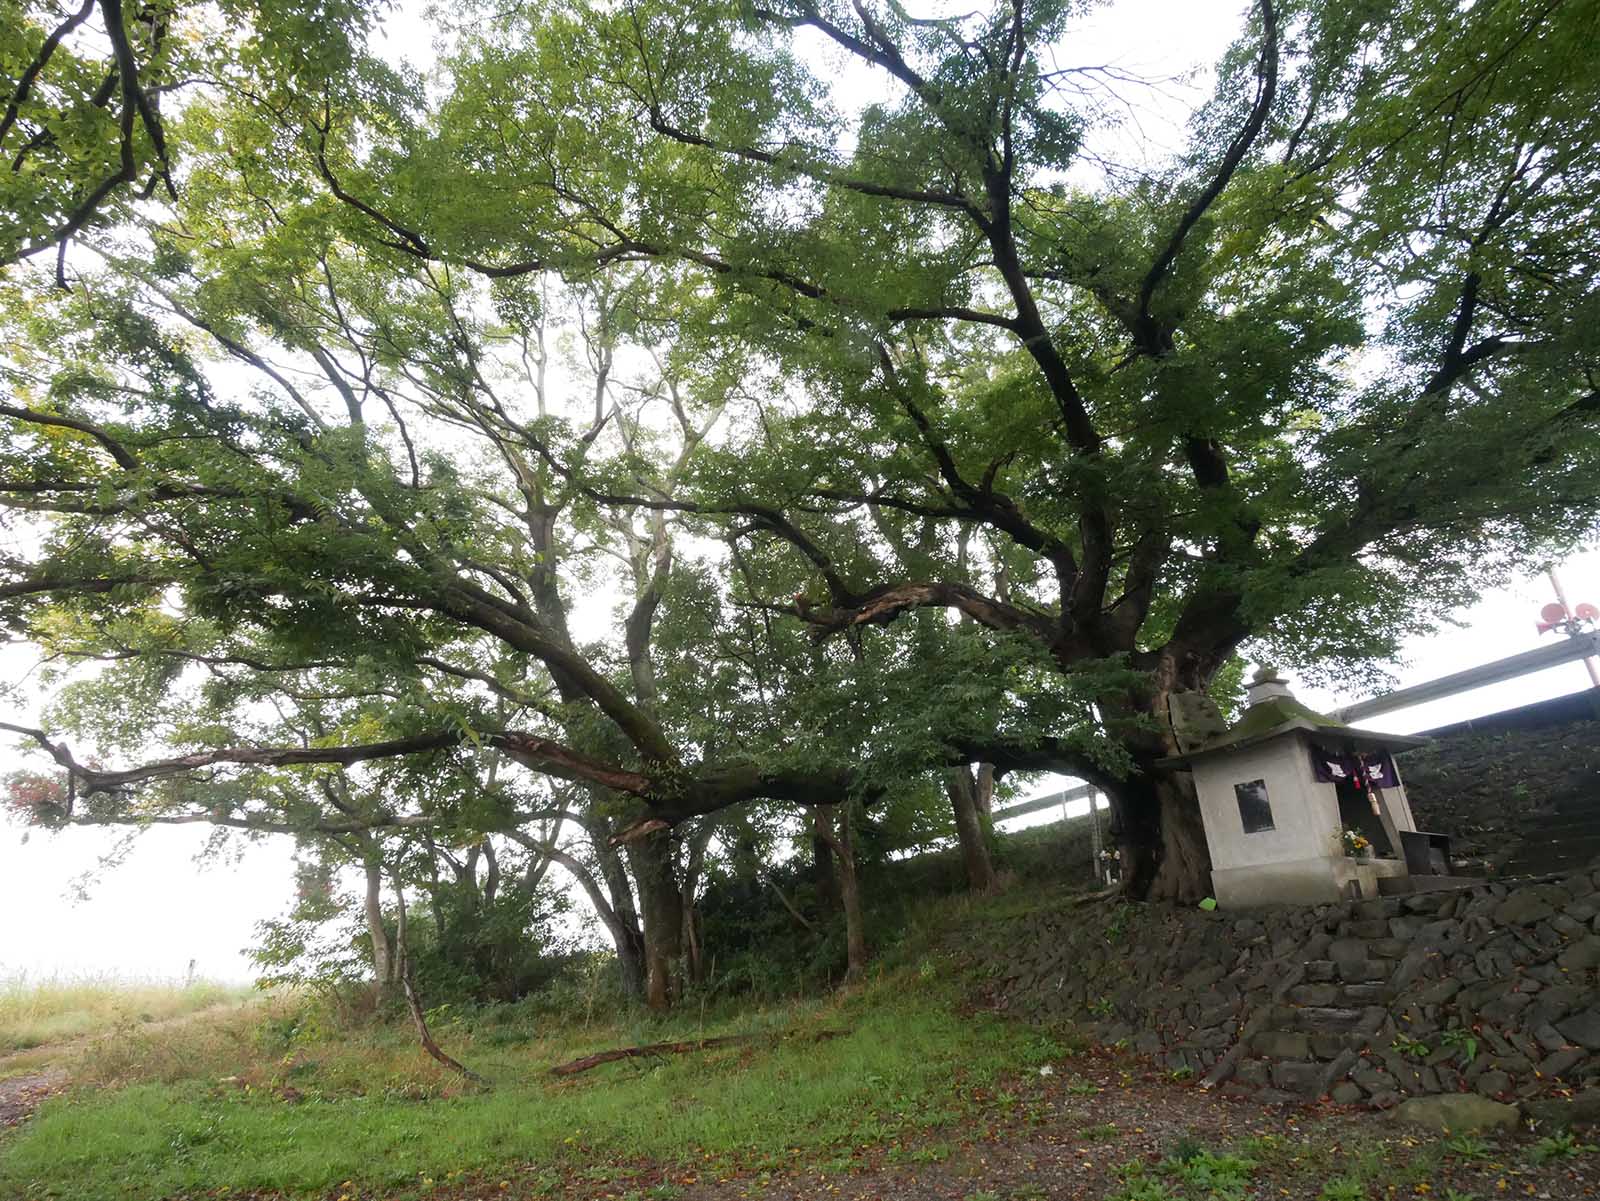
point(679, 1048)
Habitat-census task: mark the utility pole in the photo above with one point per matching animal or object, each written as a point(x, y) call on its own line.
point(1561, 599)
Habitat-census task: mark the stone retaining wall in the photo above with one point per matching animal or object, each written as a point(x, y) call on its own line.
point(1492, 989)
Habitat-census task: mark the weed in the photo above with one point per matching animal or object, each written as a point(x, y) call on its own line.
point(1144, 1190)
point(1466, 1146)
point(1121, 920)
point(1040, 1049)
point(1558, 1146)
point(1463, 1040)
point(1186, 1148)
point(1261, 1146)
point(1222, 1177)
point(1099, 1133)
point(1184, 1072)
point(1140, 1185)
point(1343, 1188)
point(1410, 1047)
point(1079, 1087)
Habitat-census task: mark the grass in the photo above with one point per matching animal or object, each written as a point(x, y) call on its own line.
point(292, 1099)
point(1192, 1173)
point(35, 1013)
point(261, 1105)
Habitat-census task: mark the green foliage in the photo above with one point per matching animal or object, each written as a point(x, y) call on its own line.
point(905, 1065)
point(1214, 1175)
point(500, 949)
point(1118, 928)
point(1466, 1146)
point(1562, 1145)
point(1144, 1189)
point(1186, 1148)
point(627, 422)
point(1343, 1188)
point(1410, 1047)
point(1462, 1040)
point(1190, 1171)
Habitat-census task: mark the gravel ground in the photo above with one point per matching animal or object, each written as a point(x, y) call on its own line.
point(1054, 1138)
point(21, 1095)
point(1070, 1134)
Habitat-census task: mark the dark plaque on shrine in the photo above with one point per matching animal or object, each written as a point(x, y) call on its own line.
point(1255, 811)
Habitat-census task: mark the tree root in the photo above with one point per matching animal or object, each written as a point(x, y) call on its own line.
point(573, 1067)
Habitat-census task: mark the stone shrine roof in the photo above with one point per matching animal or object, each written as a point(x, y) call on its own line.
point(1278, 715)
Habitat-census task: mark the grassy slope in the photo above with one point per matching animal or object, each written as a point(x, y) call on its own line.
point(55, 1010)
point(906, 1062)
point(263, 1102)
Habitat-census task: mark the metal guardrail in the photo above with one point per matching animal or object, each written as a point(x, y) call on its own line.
point(1569, 649)
point(1083, 792)
point(1578, 646)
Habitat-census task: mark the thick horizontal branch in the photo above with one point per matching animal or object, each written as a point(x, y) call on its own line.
point(866, 187)
point(97, 584)
point(261, 825)
point(123, 456)
point(884, 604)
point(954, 312)
point(100, 780)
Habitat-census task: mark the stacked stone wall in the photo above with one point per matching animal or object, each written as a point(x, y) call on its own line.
point(1492, 989)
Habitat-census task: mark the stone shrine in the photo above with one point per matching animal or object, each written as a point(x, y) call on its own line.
point(1300, 808)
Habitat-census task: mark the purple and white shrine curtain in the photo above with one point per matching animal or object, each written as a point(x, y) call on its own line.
point(1362, 768)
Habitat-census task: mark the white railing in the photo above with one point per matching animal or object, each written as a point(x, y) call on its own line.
point(1577, 646)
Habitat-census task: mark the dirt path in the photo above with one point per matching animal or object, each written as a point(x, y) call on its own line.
point(1076, 1136)
point(21, 1095)
point(1078, 1147)
point(31, 1076)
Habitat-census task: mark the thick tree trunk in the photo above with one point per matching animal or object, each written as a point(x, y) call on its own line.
point(832, 823)
point(823, 874)
point(627, 935)
point(1156, 813)
point(661, 902)
point(630, 961)
point(1184, 873)
point(693, 869)
point(1163, 842)
point(972, 827)
point(383, 959)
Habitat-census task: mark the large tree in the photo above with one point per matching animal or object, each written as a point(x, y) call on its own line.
point(273, 464)
point(1314, 380)
point(1320, 375)
point(87, 91)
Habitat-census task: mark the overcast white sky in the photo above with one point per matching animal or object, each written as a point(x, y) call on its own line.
point(160, 910)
